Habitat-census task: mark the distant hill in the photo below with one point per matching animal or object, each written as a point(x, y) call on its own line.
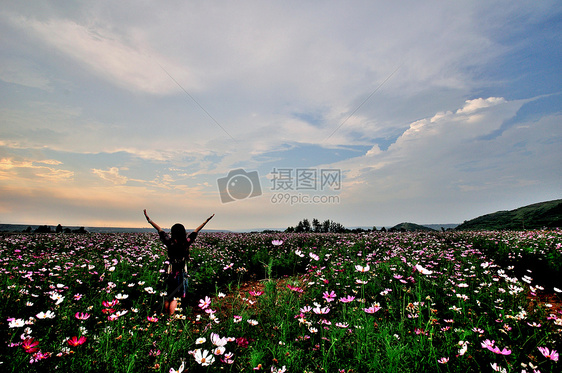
point(410, 227)
point(538, 215)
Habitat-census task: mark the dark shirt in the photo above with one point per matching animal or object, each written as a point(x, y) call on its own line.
point(177, 251)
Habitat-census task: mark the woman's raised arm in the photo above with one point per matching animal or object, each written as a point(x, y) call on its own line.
point(156, 226)
point(202, 225)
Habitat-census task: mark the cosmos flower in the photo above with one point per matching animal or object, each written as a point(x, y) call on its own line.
point(374, 308)
point(152, 318)
point(110, 304)
point(75, 341)
point(15, 323)
point(82, 316)
point(204, 303)
point(203, 357)
point(29, 345)
point(423, 270)
point(45, 315)
point(362, 269)
point(329, 296)
point(552, 355)
point(277, 242)
point(349, 298)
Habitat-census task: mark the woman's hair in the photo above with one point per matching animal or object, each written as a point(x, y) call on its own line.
point(179, 234)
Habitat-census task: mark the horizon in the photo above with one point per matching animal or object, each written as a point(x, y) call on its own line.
point(278, 111)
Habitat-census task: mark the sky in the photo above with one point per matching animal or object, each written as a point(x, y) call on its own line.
point(367, 113)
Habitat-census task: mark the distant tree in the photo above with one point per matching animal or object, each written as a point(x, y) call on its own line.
point(43, 229)
point(306, 225)
point(290, 229)
point(336, 227)
point(383, 229)
point(326, 226)
point(80, 230)
point(67, 230)
point(316, 225)
point(28, 230)
point(374, 229)
point(58, 229)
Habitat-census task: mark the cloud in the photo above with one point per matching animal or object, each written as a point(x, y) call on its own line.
point(444, 160)
point(22, 172)
point(132, 65)
point(112, 175)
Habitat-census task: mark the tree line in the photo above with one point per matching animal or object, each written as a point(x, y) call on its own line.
point(327, 226)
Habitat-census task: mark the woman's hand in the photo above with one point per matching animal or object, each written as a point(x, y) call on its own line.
point(146, 215)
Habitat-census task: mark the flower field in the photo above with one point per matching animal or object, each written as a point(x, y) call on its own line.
point(369, 302)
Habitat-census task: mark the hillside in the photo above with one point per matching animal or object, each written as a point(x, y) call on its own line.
point(410, 227)
point(538, 215)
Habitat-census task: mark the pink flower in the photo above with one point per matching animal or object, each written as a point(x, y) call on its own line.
point(82, 316)
point(372, 309)
point(277, 242)
point(39, 356)
point(75, 341)
point(152, 318)
point(443, 360)
point(347, 299)
point(204, 303)
point(329, 296)
point(256, 293)
point(552, 355)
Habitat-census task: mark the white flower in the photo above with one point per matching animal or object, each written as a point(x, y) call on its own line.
point(45, 315)
point(16, 323)
point(423, 270)
point(253, 322)
point(218, 341)
point(359, 268)
point(203, 357)
point(200, 341)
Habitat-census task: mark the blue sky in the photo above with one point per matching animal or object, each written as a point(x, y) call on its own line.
point(431, 112)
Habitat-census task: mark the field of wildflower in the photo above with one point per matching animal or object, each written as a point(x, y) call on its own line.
point(368, 302)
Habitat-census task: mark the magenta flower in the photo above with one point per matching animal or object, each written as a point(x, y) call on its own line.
point(82, 316)
point(29, 345)
point(242, 342)
point(110, 304)
point(256, 293)
point(152, 318)
point(75, 341)
point(552, 355)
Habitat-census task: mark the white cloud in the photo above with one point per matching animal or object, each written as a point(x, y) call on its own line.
point(111, 175)
point(132, 65)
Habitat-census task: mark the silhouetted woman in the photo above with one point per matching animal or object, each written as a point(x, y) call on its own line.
point(178, 253)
